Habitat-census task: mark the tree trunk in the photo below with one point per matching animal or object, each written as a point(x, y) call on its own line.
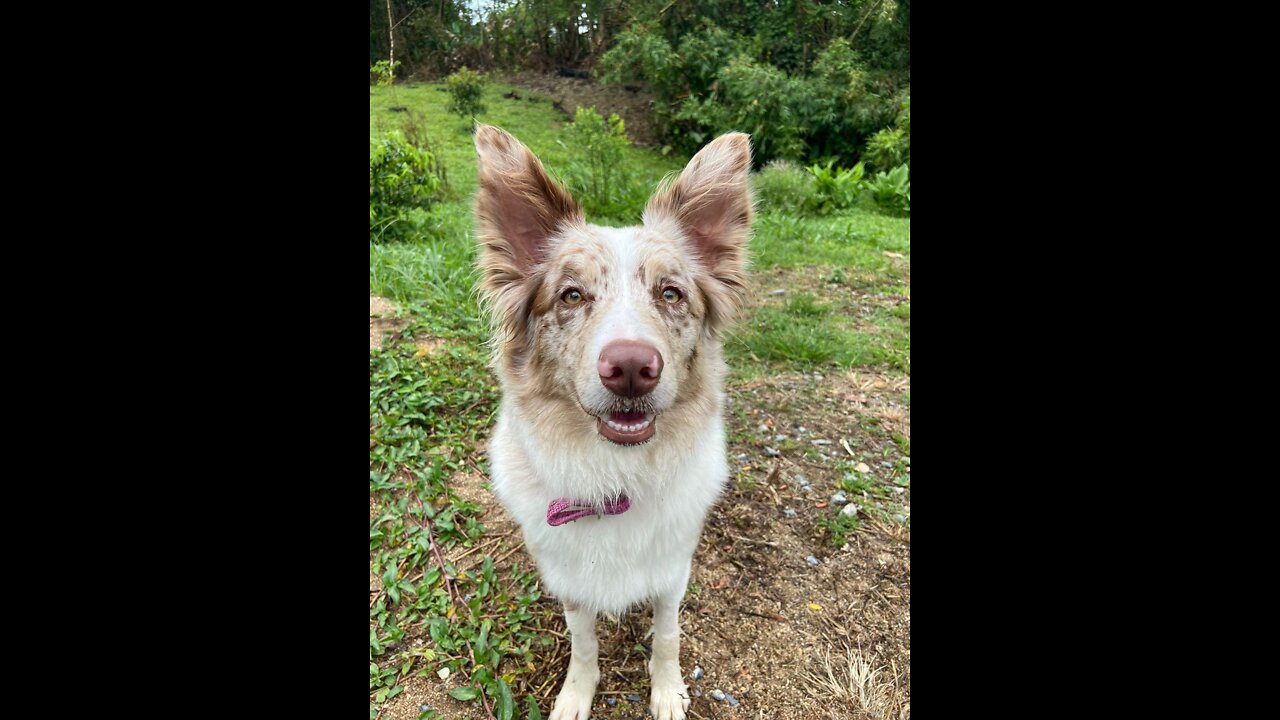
point(391, 33)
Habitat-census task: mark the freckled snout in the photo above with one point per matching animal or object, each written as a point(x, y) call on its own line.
point(629, 368)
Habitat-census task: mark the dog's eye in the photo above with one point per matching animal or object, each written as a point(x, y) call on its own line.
point(571, 297)
point(671, 295)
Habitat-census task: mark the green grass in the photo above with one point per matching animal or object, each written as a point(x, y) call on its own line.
point(536, 124)
point(426, 412)
point(854, 237)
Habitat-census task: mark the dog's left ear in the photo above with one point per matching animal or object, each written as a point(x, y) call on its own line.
point(710, 205)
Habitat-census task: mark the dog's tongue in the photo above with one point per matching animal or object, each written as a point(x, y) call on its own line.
point(627, 417)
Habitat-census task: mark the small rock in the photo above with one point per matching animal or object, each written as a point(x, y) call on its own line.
point(839, 498)
point(811, 560)
point(633, 698)
point(898, 490)
point(818, 376)
point(777, 293)
point(742, 457)
point(764, 429)
point(717, 695)
point(850, 510)
point(788, 512)
point(820, 442)
point(733, 702)
point(779, 438)
point(862, 468)
point(697, 692)
point(424, 708)
point(697, 673)
point(801, 480)
point(443, 673)
point(802, 431)
point(886, 463)
point(900, 518)
point(770, 451)
point(610, 701)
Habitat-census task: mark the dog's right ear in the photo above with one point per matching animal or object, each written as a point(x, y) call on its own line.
point(518, 210)
point(518, 207)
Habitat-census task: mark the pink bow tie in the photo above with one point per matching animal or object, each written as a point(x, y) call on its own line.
point(564, 510)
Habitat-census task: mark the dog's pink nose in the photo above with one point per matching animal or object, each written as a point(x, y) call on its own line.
point(629, 368)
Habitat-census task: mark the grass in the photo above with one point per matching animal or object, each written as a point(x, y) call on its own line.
point(429, 410)
point(869, 691)
point(482, 625)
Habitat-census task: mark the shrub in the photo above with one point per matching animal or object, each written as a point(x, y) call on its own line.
point(401, 178)
point(598, 175)
point(466, 91)
point(384, 71)
point(782, 185)
point(835, 189)
point(891, 191)
point(891, 147)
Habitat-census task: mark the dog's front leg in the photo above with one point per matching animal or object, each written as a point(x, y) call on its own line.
point(574, 700)
point(670, 697)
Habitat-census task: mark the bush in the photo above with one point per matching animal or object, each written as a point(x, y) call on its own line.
point(891, 147)
point(835, 189)
point(401, 178)
point(598, 175)
point(753, 98)
point(466, 91)
point(719, 81)
point(891, 191)
point(782, 185)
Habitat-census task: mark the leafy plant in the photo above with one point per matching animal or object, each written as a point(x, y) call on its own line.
point(466, 91)
point(891, 147)
point(385, 71)
point(783, 186)
point(835, 188)
point(891, 191)
point(599, 175)
point(401, 178)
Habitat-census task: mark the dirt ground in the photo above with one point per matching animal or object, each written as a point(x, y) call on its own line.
point(759, 619)
point(635, 107)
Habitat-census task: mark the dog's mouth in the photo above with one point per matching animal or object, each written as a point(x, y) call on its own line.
point(627, 427)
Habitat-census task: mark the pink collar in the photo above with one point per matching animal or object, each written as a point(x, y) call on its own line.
point(564, 510)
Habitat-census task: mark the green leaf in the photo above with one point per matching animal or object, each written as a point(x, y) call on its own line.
point(506, 704)
point(463, 693)
point(534, 712)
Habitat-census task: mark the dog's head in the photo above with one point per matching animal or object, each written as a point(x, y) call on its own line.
point(611, 321)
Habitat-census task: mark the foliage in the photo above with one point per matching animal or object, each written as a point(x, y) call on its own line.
point(401, 177)
point(835, 189)
point(782, 185)
point(385, 71)
point(599, 175)
point(466, 93)
point(891, 147)
point(891, 191)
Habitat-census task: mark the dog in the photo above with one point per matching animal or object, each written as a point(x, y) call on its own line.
point(609, 445)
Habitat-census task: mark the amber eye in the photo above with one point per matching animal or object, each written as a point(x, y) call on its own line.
point(571, 297)
point(671, 295)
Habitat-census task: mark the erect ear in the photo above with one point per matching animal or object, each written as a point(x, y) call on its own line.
point(518, 210)
point(710, 206)
point(518, 207)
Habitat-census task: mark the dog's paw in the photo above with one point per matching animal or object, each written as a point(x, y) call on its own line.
point(669, 701)
point(574, 700)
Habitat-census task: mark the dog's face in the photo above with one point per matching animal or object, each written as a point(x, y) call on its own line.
point(610, 321)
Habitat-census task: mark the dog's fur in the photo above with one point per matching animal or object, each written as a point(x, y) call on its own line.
point(535, 249)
